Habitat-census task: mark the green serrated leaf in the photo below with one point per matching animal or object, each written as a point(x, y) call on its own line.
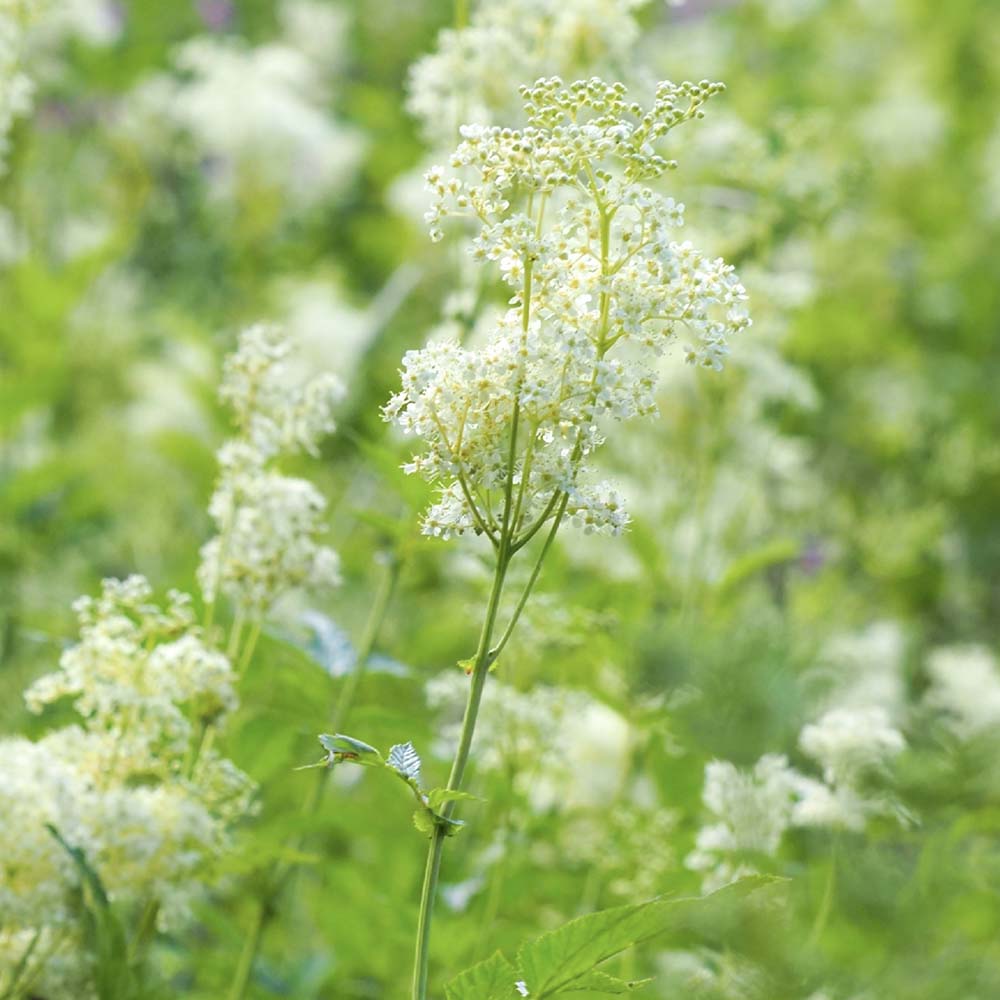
point(405, 761)
point(558, 961)
point(597, 981)
point(437, 797)
point(492, 979)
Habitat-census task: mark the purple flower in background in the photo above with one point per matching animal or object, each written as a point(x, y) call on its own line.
point(812, 558)
point(215, 14)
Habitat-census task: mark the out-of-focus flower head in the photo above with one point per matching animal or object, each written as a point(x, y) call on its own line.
point(269, 525)
point(469, 77)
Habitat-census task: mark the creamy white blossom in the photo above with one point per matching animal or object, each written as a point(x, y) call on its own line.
point(16, 17)
point(752, 810)
point(130, 784)
point(469, 77)
point(847, 743)
point(269, 525)
point(570, 750)
point(965, 686)
point(509, 425)
point(259, 115)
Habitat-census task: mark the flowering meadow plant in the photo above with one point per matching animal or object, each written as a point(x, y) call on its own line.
point(495, 612)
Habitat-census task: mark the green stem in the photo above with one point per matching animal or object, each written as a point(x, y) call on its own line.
point(235, 634)
point(826, 903)
point(529, 586)
point(250, 945)
point(147, 928)
point(366, 643)
point(22, 965)
point(266, 905)
point(249, 648)
point(433, 867)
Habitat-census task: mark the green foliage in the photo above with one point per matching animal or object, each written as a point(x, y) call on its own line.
point(119, 965)
point(566, 960)
point(843, 472)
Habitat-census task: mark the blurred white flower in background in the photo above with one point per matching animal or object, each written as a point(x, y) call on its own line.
point(904, 126)
point(847, 742)
point(752, 810)
point(261, 114)
point(568, 749)
point(260, 117)
point(269, 525)
point(131, 783)
point(468, 78)
point(99, 23)
point(865, 668)
point(16, 17)
point(965, 686)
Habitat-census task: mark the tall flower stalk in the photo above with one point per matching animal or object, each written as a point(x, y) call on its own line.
point(598, 287)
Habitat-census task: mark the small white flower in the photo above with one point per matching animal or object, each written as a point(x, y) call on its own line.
point(548, 361)
point(269, 525)
point(965, 686)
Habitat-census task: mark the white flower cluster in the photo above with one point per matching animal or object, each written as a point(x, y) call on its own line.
point(865, 668)
point(965, 686)
point(259, 115)
point(15, 85)
point(629, 844)
point(589, 256)
point(268, 524)
point(468, 77)
point(131, 784)
point(54, 969)
point(754, 809)
point(98, 23)
point(569, 751)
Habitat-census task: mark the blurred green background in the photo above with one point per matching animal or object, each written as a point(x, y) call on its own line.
point(817, 520)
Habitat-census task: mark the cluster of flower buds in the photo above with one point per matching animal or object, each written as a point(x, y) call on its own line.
point(565, 212)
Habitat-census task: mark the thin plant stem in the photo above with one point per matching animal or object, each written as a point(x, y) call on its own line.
point(147, 928)
point(366, 644)
point(486, 654)
point(264, 907)
point(235, 633)
point(22, 965)
point(529, 586)
point(251, 943)
point(432, 869)
point(249, 648)
point(826, 903)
